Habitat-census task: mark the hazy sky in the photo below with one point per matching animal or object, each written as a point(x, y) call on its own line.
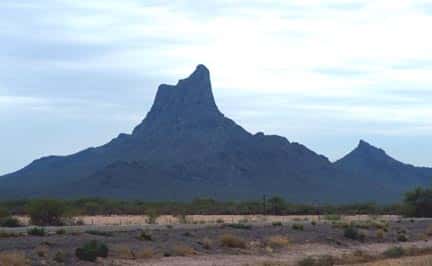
point(74, 73)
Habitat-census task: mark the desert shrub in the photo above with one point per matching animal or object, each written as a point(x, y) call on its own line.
point(313, 223)
point(380, 233)
point(36, 231)
point(46, 212)
point(3, 212)
point(145, 253)
point(298, 227)
point(4, 234)
point(42, 251)
point(10, 222)
point(92, 250)
point(240, 226)
point(61, 231)
point(59, 257)
point(145, 236)
point(429, 230)
point(278, 241)
point(220, 221)
point(13, 258)
point(394, 252)
point(332, 217)
point(418, 203)
point(231, 241)
point(402, 237)
point(182, 250)
point(122, 251)
point(317, 261)
point(152, 216)
point(99, 233)
point(206, 243)
point(353, 233)
point(277, 223)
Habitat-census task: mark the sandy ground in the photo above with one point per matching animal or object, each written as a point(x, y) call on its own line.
point(289, 257)
point(169, 219)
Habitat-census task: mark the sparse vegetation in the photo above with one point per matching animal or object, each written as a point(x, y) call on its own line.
point(36, 231)
point(59, 257)
point(317, 261)
point(298, 227)
point(46, 212)
point(13, 258)
point(394, 252)
point(277, 223)
point(418, 203)
point(278, 241)
point(231, 241)
point(9, 222)
point(99, 233)
point(92, 250)
point(145, 236)
point(183, 250)
point(353, 233)
point(145, 253)
point(60, 231)
point(239, 226)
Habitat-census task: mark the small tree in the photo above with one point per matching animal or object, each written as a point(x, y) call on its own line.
point(46, 212)
point(418, 203)
point(277, 205)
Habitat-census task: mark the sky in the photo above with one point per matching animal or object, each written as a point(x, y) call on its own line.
point(75, 74)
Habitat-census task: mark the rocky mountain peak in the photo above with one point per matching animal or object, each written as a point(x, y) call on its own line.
point(189, 101)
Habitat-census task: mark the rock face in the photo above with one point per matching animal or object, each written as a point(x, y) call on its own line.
point(186, 148)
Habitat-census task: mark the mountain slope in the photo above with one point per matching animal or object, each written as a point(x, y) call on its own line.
point(372, 163)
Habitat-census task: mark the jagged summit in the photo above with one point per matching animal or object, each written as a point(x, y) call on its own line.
point(191, 100)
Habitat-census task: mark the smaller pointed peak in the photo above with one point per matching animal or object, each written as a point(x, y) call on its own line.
point(363, 143)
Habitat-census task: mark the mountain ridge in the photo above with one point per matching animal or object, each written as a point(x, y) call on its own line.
point(185, 147)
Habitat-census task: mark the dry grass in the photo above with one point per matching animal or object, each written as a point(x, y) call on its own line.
point(231, 241)
point(122, 251)
point(206, 243)
point(278, 241)
point(408, 261)
point(182, 250)
point(429, 230)
point(42, 251)
point(13, 258)
point(145, 253)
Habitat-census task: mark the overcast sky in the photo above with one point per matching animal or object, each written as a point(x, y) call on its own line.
point(75, 74)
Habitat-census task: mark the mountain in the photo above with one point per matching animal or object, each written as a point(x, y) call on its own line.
point(373, 163)
point(186, 148)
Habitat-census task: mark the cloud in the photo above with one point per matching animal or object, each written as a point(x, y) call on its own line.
point(341, 67)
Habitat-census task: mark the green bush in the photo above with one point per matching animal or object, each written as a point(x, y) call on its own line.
point(99, 233)
point(10, 222)
point(317, 261)
point(35, 231)
point(145, 236)
point(277, 223)
point(61, 231)
point(3, 213)
point(418, 203)
point(353, 233)
point(46, 212)
point(91, 251)
point(298, 227)
point(402, 237)
point(240, 226)
point(394, 252)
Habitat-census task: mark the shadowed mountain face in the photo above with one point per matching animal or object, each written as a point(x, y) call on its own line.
point(185, 148)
